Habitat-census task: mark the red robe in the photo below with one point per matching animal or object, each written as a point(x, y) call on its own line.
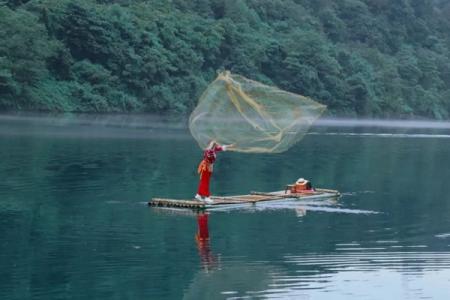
point(205, 170)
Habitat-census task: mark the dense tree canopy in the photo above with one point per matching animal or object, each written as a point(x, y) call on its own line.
point(360, 57)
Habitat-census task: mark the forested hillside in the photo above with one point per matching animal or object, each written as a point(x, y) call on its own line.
point(382, 58)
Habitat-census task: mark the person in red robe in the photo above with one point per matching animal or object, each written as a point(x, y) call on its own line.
point(205, 169)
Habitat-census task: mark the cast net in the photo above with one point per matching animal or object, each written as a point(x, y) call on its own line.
point(255, 117)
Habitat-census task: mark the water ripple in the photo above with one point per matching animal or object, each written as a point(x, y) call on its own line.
point(360, 275)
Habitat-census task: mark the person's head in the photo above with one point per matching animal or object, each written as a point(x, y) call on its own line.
point(301, 180)
point(211, 145)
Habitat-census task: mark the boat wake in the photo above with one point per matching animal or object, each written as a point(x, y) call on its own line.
point(443, 235)
point(300, 207)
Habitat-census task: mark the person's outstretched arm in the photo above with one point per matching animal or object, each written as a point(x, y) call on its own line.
point(224, 147)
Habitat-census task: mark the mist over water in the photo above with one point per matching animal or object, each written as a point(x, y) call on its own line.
point(74, 221)
point(92, 125)
point(420, 124)
point(145, 125)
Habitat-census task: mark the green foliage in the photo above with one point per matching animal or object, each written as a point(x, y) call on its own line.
point(359, 57)
point(23, 52)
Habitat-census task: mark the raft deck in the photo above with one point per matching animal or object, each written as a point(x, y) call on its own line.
point(249, 199)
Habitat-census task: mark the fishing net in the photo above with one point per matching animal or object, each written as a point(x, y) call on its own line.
point(255, 117)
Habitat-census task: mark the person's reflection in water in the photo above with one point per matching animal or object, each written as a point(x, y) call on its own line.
point(209, 261)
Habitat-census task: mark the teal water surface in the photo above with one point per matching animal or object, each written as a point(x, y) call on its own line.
point(74, 223)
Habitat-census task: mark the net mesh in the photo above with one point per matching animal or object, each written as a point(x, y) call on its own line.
point(255, 117)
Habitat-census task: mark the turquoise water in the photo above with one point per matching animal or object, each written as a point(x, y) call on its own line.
point(74, 223)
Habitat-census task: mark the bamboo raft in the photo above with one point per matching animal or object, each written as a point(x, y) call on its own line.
point(238, 200)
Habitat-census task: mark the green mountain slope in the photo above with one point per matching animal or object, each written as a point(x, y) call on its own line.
point(377, 58)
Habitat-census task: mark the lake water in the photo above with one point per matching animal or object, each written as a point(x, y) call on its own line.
point(74, 223)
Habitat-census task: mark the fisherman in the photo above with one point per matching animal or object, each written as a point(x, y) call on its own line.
point(304, 184)
point(205, 169)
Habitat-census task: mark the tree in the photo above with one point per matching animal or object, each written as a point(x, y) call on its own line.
point(24, 51)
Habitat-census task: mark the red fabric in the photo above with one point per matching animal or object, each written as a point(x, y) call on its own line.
point(205, 170)
point(203, 166)
point(202, 221)
point(210, 155)
point(203, 187)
